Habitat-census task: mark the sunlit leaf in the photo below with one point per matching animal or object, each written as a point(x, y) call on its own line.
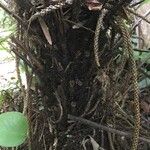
point(13, 129)
point(7, 27)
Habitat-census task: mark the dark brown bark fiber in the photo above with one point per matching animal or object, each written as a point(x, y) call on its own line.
point(68, 81)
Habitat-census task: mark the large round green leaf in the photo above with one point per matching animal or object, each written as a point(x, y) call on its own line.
point(13, 129)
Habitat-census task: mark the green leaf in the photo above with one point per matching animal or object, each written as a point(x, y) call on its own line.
point(144, 57)
point(146, 1)
point(144, 83)
point(1, 99)
point(13, 129)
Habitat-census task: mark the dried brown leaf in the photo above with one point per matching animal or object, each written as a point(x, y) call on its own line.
point(145, 106)
point(93, 5)
point(45, 30)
